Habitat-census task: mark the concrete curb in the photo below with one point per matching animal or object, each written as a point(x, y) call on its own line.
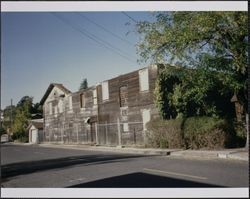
point(235, 154)
point(118, 149)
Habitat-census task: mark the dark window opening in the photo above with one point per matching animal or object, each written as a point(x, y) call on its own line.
point(123, 96)
point(82, 100)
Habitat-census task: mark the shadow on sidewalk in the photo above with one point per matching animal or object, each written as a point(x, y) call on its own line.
point(142, 180)
point(15, 169)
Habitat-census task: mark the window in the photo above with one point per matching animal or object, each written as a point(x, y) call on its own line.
point(143, 78)
point(60, 106)
point(82, 100)
point(95, 96)
point(125, 127)
point(50, 108)
point(105, 90)
point(55, 110)
point(70, 102)
point(123, 96)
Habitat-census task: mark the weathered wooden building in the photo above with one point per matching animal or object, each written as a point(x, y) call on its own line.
point(113, 112)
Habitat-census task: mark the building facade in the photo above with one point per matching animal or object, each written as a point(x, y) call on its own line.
point(113, 112)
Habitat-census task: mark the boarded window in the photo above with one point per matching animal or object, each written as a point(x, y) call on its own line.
point(145, 117)
point(82, 100)
point(60, 106)
point(125, 127)
point(70, 102)
point(55, 109)
point(123, 96)
point(95, 96)
point(50, 108)
point(143, 76)
point(105, 90)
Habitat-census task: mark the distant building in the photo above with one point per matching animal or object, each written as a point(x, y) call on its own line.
point(35, 129)
point(113, 112)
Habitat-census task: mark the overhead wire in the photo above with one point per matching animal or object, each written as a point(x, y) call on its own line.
point(129, 17)
point(99, 41)
point(105, 29)
point(107, 43)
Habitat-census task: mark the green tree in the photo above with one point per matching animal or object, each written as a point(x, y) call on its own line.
point(214, 43)
point(209, 40)
point(37, 108)
point(8, 116)
point(187, 92)
point(22, 117)
point(181, 36)
point(84, 84)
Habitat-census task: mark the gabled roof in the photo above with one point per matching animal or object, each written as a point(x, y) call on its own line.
point(51, 86)
point(37, 124)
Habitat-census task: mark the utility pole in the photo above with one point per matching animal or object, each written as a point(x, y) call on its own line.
point(11, 115)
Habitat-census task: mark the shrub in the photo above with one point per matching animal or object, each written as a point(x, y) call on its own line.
point(241, 134)
point(20, 136)
point(164, 133)
point(190, 133)
point(207, 132)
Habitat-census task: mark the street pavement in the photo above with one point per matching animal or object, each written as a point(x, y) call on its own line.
point(37, 166)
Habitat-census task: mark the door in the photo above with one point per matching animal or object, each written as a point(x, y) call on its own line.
point(34, 136)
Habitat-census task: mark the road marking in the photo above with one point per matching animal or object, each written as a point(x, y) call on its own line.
point(78, 179)
point(173, 173)
point(17, 150)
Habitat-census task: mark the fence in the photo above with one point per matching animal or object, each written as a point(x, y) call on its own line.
point(109, 134)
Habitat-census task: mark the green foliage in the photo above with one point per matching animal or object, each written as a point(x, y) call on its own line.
point(191, 133)
point(213, 43)
point(207, 132)
point(164, 133)
point(21, 114)
point(20, 136)
point(241, 134)
point(37, 108)
point(2, 131)
point(182, 36)
point(84, 84)
point(184, 92)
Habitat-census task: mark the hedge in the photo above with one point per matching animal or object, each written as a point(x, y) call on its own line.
point(190, 133)
point(164, 133)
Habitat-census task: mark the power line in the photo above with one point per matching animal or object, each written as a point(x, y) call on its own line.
point(105, 29)
point(99, 41)
point(107, 43)
point(129, 17)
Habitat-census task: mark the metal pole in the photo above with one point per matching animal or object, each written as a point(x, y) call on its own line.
point(119, 132)
point(62, 133)
point(96, 133)
point(106, 132)
point(134, 137)
point(77, 133)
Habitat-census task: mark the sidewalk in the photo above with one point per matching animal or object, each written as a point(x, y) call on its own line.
point(236, 154)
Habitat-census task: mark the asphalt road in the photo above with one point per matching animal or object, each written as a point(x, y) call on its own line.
point(34, 166)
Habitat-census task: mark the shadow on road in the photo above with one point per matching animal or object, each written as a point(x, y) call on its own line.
point(142, 180)
point(15, 169)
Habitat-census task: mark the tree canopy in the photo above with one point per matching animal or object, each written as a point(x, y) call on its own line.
point(209, 42)
point(186, 36)
point(16, 118)
point(84, 84)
